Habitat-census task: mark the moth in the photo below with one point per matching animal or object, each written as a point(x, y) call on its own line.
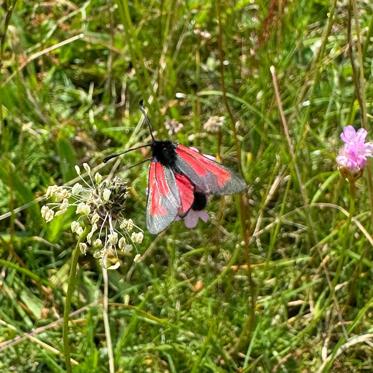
point(179, 179)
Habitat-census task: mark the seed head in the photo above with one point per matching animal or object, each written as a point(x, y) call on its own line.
point(99, 205)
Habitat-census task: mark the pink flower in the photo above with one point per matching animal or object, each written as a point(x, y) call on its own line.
point(196, 212)
point(353, 155)
point(192, 217)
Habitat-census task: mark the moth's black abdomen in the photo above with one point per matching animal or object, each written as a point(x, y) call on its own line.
point(164, 152)
point(200, 201)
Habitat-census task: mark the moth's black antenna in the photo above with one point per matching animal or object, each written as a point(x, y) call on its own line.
point(142, 109)
point(107, 159)
point(138, 163)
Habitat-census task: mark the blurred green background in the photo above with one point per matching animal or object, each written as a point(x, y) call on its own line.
point(298, 297)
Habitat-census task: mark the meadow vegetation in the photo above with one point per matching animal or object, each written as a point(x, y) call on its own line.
point(280, 277)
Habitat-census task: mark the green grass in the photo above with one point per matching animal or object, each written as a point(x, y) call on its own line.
point(278, 280)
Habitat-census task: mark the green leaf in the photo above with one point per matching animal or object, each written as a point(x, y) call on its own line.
point(34, 304)
point(67, 156)
point(19, 185)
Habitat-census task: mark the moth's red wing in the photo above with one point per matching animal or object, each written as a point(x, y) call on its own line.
point(163, 198)
point(186, 192)
point(207, 175)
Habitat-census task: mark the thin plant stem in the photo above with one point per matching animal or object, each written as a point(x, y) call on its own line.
point(292, 154)
point(105, 315)
point(243, 207)
point(347, 237)
point(9, 11)
point(346, 233)
point(350, 237)
point(8, 16)
point(360, 92)
point(314, 72)
point(66, 312)
point(352, 202)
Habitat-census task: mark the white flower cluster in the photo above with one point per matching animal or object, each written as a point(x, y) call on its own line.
point(99, 206)
point(213, 124)
point(173, 126)
point(204, 34)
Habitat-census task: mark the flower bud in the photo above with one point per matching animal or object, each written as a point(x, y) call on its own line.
point(113, 238)
point(98, 178)
point(91, 233)
point(95, 218)
point(83, 209)
point(83, 248)
point(127, 225)
point(87, 168)
point(106, 194)
point(79, 231)
point(63, 207)
point(47, 214)
point(122, 243)
point(137, 237)
point(97, 243)
point(137, 258)
point(98, 254)
point(76, 189)
point(51, 191)
point(74, 226)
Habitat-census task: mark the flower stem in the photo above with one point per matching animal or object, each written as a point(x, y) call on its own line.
point(105, 314)
point(352, 203)
point(360, 89)
point(66, 313)
point(347, 236)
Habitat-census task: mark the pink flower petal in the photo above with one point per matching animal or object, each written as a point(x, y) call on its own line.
point(191, 219)
point(361, 135)
point(203, 215)
point(354, 153)
point(348, 134)
point(342, 161)
point(369, 149)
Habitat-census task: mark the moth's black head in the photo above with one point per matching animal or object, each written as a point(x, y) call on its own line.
point(200, 201)
point(165, 152)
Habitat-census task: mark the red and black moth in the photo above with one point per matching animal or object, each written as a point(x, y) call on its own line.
point(179, 179)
